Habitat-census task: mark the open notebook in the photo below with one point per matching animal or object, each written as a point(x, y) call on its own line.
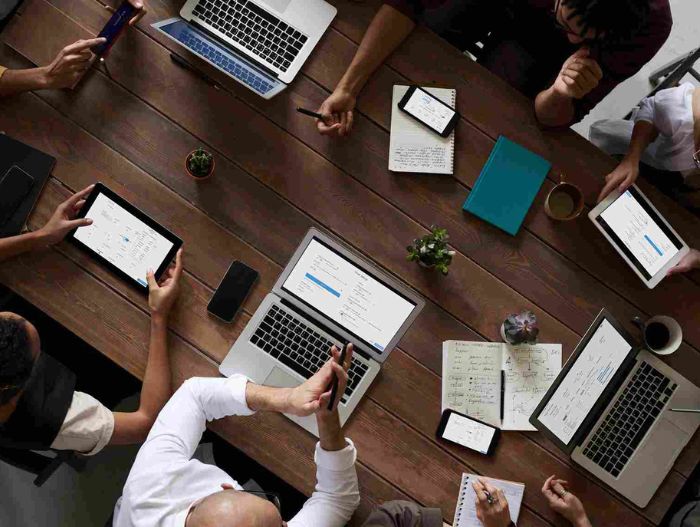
point(415, 148)
point(465, 513)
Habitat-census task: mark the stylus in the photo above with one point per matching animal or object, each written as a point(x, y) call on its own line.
point(309, 113)
point(686, 410)
point(334, 389)
point(187, 66)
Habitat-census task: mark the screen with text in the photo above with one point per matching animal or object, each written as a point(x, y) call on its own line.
point(468, 433)
point(347, 295)
point(642, 235)
point(429, 110)
point(123, 240)
point(585, 382)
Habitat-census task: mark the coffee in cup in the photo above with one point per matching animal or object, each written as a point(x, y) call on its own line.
point(661, 334)
point(564, 202)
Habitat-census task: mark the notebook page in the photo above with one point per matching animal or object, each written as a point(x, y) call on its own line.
point(471, 379)
point(529, 371)
point(413, 147)
point(465, 514)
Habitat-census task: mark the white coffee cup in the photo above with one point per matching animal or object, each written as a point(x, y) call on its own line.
point(675, 333)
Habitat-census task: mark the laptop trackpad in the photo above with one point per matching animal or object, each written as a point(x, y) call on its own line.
point(281, 379)
point(276, 5)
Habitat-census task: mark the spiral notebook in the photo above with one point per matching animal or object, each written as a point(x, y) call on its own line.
point(465, 514)
point(415, 148)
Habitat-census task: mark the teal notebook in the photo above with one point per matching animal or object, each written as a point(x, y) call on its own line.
point(507, 185)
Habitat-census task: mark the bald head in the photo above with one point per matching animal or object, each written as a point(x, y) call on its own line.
point(231, 508)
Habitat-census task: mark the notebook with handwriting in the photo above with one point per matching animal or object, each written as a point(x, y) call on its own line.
point(465, 513)
point(415, 148)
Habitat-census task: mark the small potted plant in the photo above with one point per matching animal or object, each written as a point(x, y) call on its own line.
point(200, 164)
point(520, 328)
point(432, 251)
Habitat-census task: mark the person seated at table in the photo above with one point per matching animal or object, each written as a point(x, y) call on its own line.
point(167, 487)
point(65, 70)
point(662, 142)
point(494, 512)
point(39, 406)
point(565, 54)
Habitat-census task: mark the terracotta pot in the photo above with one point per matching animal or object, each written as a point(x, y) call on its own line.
point(197, 178)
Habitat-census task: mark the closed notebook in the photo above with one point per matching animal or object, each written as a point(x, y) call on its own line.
point(465, 513)
point(415, 148)
point(507, 185)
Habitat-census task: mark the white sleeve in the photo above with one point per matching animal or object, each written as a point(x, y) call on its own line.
point(647, 111)
point(181, 423)
point(337, 493)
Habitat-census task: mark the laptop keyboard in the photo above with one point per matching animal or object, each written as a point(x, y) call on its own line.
point(254, 28)
point(291, 341)
point(630, 419)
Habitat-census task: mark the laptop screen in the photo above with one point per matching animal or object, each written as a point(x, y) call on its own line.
point(585, 382)
point(348, 295)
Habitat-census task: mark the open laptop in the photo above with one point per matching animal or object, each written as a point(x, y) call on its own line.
point(327, 294)
point(609, 409)
point(262, 44)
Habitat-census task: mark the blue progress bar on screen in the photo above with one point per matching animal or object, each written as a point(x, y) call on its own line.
point(321, 284)
point(653, 245)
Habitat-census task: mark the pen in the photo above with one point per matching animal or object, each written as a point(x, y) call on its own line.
point(686, 410)
point(489, 498)
point(310, 113)
point(187, 66)
point(334, 389)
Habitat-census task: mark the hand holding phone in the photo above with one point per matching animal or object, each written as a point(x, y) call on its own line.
point(468, 432)
point(114, 27)
point(429, 111)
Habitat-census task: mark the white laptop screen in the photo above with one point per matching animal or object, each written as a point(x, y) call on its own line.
point(348, 295)
point(585, 382)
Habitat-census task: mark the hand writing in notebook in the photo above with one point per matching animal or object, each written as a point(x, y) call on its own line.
point(491, 505)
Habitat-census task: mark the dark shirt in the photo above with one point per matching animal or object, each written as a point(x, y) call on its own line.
point(404, 514)
point(530, 49)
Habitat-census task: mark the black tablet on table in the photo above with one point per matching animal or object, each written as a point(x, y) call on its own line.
point(123, 238)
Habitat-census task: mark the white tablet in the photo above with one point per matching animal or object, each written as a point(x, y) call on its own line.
point(640, 234)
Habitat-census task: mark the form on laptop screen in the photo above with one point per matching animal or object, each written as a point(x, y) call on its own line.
point(123, 240)
point(640, 233)
point(585, 382)
point(348, 295)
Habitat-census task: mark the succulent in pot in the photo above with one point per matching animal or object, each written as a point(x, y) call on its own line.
point(431, 250)
point(200, 164)
point(520, 328)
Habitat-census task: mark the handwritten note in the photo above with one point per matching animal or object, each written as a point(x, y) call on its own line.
point(465, 515)
point(471, 376)
point(529, 371)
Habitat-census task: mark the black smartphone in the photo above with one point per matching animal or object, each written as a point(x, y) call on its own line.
point(14, 187)
point(114, 27)
point(429, 111)
point(232, 291)
point(468, 432)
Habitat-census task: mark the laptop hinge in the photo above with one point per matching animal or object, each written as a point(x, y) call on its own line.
point(325, 328)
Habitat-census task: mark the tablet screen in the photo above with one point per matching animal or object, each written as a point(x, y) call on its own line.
point(122, 239)
point(640, 233)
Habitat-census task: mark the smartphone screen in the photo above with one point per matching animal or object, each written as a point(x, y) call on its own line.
point(467, 432)
point(114, 27)
point(232, 291)
point(429, 110)
point(14, 187)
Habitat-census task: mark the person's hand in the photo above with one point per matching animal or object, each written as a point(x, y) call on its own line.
point(564, 503)
point(138, 4)
point(63, 220)
point(70, 64)
point(496, 514)
point(337, 113)
point(579, 76)
point(624, 175)
point(689, 262)
point(162, 295)
point(314, 395)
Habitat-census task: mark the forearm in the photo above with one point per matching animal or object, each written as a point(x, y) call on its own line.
point(156, 388)
point(643, 135)
point(23, 243)
point(331, 436)
point(553, 109)
point(267, 399)
point(16, 81)
point(582, 522)
point(388, 29)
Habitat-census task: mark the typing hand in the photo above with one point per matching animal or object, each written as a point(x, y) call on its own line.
point(579, 76)
point(70, 64)
point(138, 4)
point(162, 295)
point(63, 220)
point(623, 177)
point(689, 262)
point(564, 503)
point(337, 113)
point(496, 513)
point(314, 395)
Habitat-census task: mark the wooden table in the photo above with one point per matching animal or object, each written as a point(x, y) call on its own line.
point(132, 127)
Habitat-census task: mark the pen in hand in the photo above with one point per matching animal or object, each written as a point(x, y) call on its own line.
point(310, 113)
point(334, 389)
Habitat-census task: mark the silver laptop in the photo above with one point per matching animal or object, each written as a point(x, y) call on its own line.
point(609, 409)
point(262, 44)
point(328, 294)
